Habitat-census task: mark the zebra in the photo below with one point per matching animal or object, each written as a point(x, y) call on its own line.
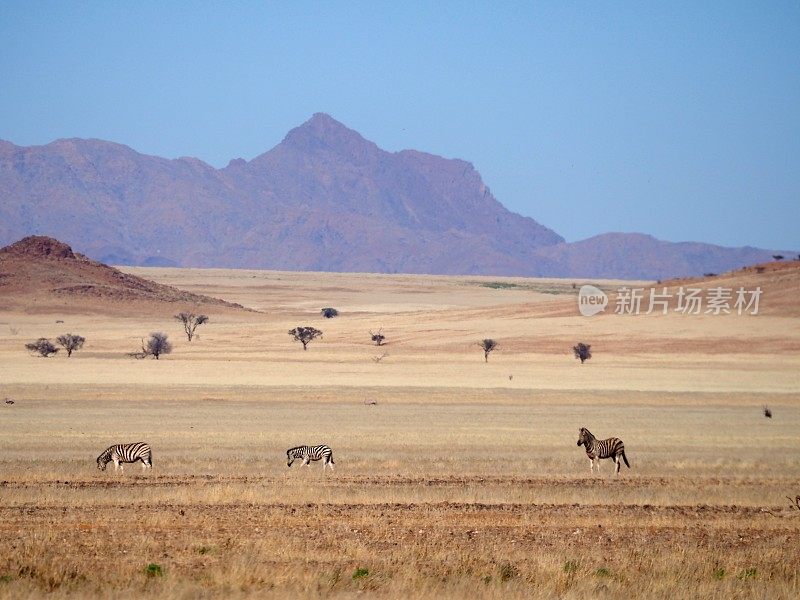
point(126, 453)
point(612, 448)
point(309, 453)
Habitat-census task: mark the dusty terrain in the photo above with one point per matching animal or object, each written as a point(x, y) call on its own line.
point(462, 480)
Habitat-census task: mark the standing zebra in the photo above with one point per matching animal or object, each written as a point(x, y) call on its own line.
point(126, 453)
point(309, 453)
point(612, 448)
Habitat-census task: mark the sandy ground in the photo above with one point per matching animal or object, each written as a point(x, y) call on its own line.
point(464, 479)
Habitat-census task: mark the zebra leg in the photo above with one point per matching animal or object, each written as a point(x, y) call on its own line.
point(616, 465)
point(591, 465)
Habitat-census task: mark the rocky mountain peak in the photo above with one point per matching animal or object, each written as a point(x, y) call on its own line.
point(40, 246)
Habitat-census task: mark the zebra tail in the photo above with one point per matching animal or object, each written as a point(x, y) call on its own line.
point(625, 458)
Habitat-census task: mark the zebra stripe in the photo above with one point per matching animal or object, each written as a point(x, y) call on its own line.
point(612, 448)
point(126, 453)
point(309, 453)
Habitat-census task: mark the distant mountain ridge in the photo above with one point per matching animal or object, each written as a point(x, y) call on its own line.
point(323, 199)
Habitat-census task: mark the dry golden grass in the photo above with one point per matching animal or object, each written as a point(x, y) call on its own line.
point(459, 482)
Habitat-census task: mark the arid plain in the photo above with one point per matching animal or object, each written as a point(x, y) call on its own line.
point(454, 477)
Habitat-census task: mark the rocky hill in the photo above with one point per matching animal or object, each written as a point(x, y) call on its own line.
point(41, 274)
point(323, 199)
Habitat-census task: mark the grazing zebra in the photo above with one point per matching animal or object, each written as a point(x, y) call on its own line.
point(126, 453)
point(612, 448)
point(309, 453)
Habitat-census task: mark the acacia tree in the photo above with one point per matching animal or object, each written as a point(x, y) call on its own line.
point(582, 351)
point(378, 338)
point(157, 345)
point(42, 347)
point(71, 342)
point(777, 256)
point(190, 322)
point(305, 334)
point(488, 345)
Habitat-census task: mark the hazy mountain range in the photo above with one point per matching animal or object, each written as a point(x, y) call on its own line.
point(323, 199)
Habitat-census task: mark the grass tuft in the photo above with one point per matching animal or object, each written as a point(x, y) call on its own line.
point(360, 573)
point(154, 570)
point(571, 567)
point(508, 571)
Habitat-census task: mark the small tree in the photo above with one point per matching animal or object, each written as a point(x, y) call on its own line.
point(157, 345)
point(488, 345)
point(378, 338)
point(582, 351)
point(329, 313)
point(777, 256)
point(305, 334)
point(42, 347)
point(70, 342)
point(190, 322)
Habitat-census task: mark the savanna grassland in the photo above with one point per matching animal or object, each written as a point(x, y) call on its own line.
point(454, 477)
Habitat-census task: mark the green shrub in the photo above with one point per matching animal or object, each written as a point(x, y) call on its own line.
point(360, 573)
point(602, 572)
point(154, 570)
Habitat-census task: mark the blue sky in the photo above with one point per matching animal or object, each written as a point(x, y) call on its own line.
point(681, 120)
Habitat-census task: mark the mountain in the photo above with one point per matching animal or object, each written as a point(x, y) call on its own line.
point(40, 273)
point(323, 199)
point(639, 256)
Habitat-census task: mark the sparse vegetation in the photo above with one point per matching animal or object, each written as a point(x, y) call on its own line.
point(582, 351)
point(767, 412)
point(500, 285)
point(360, 573)
point(570, 567)
point(488, 345)
point(190, 322)
point(42, 347)
point(304, 335)
point(377, 338)
point(379, 358)
point(508, 571)
point(154, 570)
point(157, 345)
point(749, 573)
point(602, 572)
point(71, 342)
point(330, 313)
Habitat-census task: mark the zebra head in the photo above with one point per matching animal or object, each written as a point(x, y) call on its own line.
point(584, 436)
point(289, 458)
point(102, 461)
